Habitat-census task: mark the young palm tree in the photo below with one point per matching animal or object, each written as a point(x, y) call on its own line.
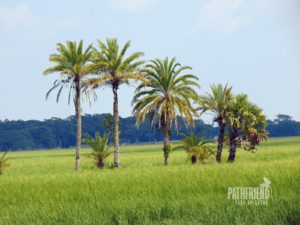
point(71, 62)
point(115, 69)
point(101, 150)
point(165, 94)
point(245, 120)
point(196, 147)
point(218, 102)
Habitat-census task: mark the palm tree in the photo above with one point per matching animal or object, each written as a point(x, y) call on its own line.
point(254, 128)
point(165, 94)
point(245, 122)
point(218, 102)
point(114, 70)
point(196, 147)
point(71, 62)
point(101, 150)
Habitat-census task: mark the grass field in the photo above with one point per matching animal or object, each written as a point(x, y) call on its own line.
point(40, 187)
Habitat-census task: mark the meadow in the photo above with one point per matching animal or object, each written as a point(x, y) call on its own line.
point(41, 187)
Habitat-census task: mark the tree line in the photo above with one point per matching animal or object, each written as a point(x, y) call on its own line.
point(61, 133)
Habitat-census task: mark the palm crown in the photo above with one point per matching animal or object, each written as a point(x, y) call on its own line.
point(165, 93)
point(217, 102)
point(72, 62)
point(248, 118)
point(114, 67)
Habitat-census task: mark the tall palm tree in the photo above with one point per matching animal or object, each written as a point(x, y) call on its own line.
point(115, 69)
point(218, 103)
point(246, 123)
point(165, 94)
point(72, 62)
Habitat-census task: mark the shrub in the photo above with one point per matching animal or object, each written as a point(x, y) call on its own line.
point(197, 148)
point(100, 147)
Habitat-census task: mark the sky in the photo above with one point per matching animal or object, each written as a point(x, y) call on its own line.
point(253, 45)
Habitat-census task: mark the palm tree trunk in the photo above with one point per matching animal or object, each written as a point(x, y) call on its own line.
point(78, 123)
point(116, 128)
point(232, 145)
point(100, 163)
point(166, 143)
point(220, 143)
point(194, 159)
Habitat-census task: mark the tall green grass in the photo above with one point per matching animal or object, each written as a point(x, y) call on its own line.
point(41, 187)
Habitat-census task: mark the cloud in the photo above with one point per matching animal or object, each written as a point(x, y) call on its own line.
point(130, 5)
point(18, 16)
point(223, 15)
point(227, 16)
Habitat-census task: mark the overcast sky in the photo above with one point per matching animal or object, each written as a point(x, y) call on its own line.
point(253, 45)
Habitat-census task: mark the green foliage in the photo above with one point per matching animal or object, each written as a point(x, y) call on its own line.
point(61, 133)
point(3, 163)
point(165, 93)
point(108, 124)
point(42, 188)
point(197, 148)
point(217, 102)
point(100, 147)
point(72, 62)
point(248, 121)
point(114, 68)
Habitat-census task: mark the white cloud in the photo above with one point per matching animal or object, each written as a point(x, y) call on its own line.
point(223, 15)
point(226, 16)
point(18, 16)
point(130, 5)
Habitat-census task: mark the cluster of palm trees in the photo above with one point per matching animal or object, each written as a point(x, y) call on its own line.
point(165, 90)
point(244, 121)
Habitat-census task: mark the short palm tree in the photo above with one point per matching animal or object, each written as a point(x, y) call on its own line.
point(100, 147)
point(164, 95)
point(218, 102)
point(246, 122)
point(72, 62)
point(115, 69)
point(196, 147)
point(253, 126)
point(3, 163)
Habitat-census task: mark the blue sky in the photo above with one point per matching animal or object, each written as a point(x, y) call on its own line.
point(253, 45)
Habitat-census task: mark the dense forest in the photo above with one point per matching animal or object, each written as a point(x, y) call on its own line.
point(61, 133)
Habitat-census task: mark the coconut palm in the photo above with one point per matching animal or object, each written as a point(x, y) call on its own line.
point(101, 150)
point(3, 163)
point(166, 93)
point(246, 123)
point(71, 61)
point(217, 102)
point(115, 69)
point(196, 147)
